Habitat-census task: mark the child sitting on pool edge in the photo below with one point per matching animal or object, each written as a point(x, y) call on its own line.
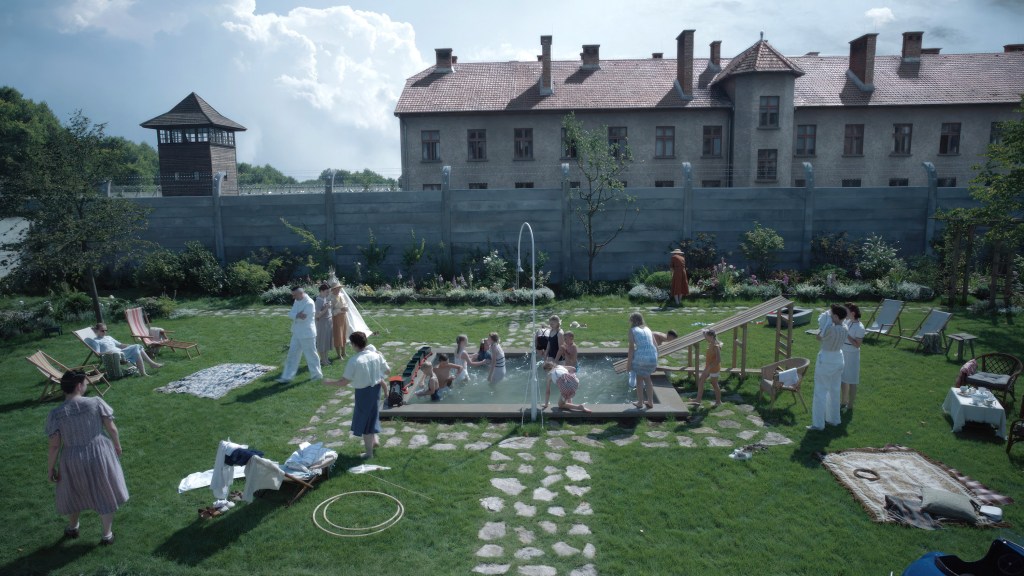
point(565, 378)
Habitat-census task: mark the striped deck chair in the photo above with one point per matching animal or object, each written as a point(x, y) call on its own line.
point(54, 370)
point(884, 318)
point(154, 338)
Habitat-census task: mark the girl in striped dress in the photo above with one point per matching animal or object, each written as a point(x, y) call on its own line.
point(642, 359)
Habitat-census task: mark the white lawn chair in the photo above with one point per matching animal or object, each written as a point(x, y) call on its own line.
point(884, 318)
point(934, 323)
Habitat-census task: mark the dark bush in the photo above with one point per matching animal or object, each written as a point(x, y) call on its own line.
point(203, 274)
point(246, 279)
point(157, 307)
point(835, 249)
point(662, 279)
point(700, 252)
point(160, 271)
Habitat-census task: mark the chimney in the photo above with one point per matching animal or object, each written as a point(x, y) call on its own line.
point(684, 64)
point(591, 56)
point(657, 55)
point(930, 50)
point(455, 59)
point(912, 46)
point(715, 61)
point(1013, 48)
point(546, 87)
point(444, 61)
point(862, 62)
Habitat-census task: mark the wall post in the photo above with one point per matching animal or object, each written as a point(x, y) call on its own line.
point(687, 200)
point(805, 248)
point(566, 226)
point(218, 218)
point(330, 234)
point(933, 204)
point(446, 212)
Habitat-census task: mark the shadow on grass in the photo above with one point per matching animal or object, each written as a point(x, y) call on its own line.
point(15, 406)
point(270, 388)
point(49, 559)
point(202, 539)
point(814, 444)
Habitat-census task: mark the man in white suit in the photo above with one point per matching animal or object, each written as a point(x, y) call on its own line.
point(303, 337)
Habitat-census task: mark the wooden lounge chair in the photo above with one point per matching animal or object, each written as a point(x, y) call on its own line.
point(153, 340)
point(934, 323)
point(884, 318)
point(54, 370)
point(84, 333)
point(770, 379)
point(304, 478)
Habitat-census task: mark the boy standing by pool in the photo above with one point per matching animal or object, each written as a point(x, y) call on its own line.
point(568, 355)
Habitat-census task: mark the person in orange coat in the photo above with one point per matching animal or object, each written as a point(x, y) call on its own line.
point(680, 284)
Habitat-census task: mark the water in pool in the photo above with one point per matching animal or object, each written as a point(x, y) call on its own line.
point(599, 384)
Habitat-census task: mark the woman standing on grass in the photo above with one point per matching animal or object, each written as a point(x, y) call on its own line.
point(851, 356)
point(828, 369)
point(367, 372)
point(324, 324)
point(680, 283)
point(641, 359)
point(88, 475)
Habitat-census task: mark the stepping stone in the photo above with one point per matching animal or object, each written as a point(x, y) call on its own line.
point(492, 504)
point(490, 435)
point(544, 494)
point(528, 553)
point(717, 442)
point(624, 440)
point(518, 443)
point(549, 527)
point(392, 442)
point(551, 470)
point(557, 511)
point(577, 473)
point(775, 439)
point(729, 424)
point(704, 430)
point(581, 457)
point(556, 444)
point(747, 434)
point(685, 441)
point(490, 551)
point(510, 486)
point(491, 568)
point(526, 510)
point(387, 431)
point(563, 549)
point(756, 420)
point(549, 480)
point(657, 434)
point(579, 530)
point(561, 432)
point(527, 456)
point(589, 551)
point(498, 456)
point(477, 446)
point(583, 509)
point(497, 467)
point(492, 531)
point(721, 413)
point(586, 569)
point(418, 441)
point(443, 447)
point(538, 571)
point(654, 444)
point(453, 436)
point(745, 408)
point(577, 490)
point(411, 429)
point(334, 433)
point(587, 441)
point(525, 469)
point(525, 536)
point(315, 419)
point(553, 456)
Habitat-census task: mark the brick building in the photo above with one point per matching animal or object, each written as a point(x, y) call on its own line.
point(753, 120)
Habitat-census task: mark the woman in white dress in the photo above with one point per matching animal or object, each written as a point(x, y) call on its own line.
point(851, 355)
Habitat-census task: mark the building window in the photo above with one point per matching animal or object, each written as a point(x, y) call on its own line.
point(431, 142)
point(948, 182)
point(617, 140)
point(664, 142)
point(767, 165)
point(902, 135)
point(800, 183)
point(524, 143)
point(478, 185)
point(853, 141)
point(710, 183)
point(851, 182)
point(574, 184)
point(949, 140)
point(899, 181)
point(568, 148)
point(769, 117)
point(995, 134)
point(664, 184)
point(806, 139)
point(524, 184)
point(712, 141)
point(431, 186)
point(477, 144)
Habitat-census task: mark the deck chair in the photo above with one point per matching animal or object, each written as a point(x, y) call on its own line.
point(84, 333)
point(305, 468)
point(153, 338)
point(54, 370)
point(772, 385)
point(934, 323)
point(884, 318)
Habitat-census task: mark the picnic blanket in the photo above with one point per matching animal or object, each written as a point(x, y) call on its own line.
point(897, 474)
point(216, 381)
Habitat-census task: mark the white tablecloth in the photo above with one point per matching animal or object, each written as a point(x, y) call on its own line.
point(963, 409)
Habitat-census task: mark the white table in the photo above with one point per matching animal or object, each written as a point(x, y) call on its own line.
point(963, 409)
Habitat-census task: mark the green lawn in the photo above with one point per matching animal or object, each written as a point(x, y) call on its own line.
point(673, 510)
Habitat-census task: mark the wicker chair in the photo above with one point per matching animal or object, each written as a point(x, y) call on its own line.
point(997, 371)
point(770, 379)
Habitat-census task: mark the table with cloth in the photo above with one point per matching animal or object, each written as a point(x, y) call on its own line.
point(965, 408)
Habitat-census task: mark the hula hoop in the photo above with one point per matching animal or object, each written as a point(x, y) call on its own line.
point(321, 510)
point(866, 474)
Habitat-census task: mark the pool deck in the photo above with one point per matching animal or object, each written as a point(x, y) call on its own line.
point(666, 403)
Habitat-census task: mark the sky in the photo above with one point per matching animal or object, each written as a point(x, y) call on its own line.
point(315, 82)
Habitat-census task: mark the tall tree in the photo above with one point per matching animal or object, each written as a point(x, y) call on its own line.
point(600, 161)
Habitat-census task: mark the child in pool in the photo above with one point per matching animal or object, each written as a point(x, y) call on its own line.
point(430, 381)
point(569, 354)
point(443, 371)
point(565, 378)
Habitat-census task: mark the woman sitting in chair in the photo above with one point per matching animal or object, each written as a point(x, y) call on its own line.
point(133, 353)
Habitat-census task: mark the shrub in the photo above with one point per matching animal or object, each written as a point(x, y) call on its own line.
point(527, 295)
point(160, 271)
point(277, 295)
point(203, 273)
point(494, 271)
point(662, 279)
point(16, 322)
point(71, 305)
point(827, 275)
point(761, 246)
point(645, 293)
point(115, 307)
point(246, 279)
point(374, 254)
point(878, 258)
point(806, 292)
point(282, 265)
point(700, 252)
point(834, 249)
point(851, 290)
point(765, 291)
point(157, 307)
point(903, 290)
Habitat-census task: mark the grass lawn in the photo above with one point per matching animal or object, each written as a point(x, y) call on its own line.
point(667, 510)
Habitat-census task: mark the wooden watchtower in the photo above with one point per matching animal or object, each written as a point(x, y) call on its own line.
point(195, 142)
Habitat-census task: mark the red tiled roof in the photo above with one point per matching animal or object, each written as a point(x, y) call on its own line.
point(760, 57)
point(994, 78)
point(192, 111)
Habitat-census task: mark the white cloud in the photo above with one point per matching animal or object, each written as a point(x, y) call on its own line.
point(880, 16)
point(122, 19)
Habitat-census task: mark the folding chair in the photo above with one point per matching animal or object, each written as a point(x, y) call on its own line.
point(54, 371)
point(884, 318)
point(305, 468)
point(153, 339)
point(934, 323)
point(84, 333)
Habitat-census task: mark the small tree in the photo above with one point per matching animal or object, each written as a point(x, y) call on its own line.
point(600, 162)
point(321, 257)
point(761, 246)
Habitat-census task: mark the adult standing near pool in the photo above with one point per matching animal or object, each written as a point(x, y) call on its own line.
point(851, 355)
point(641, 359)
point(367, 372)
point(303, 341)
point(88, 474)
point(828, 369)
point(339, 316)
point(680, 283)
point(556, 339)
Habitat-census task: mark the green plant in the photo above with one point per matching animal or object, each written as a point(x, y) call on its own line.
point(701, 252)
point(761, 246)
point(321, 254)
point(203, 274)
point(877, 257)
point(661, 279)
point(374, 254)
point(412, 255)
point(71, 305)
point(157, 306)
point(244, 278)
point(834, 249)
point(494, 271)
point(160, 271)
point(645, 293)
point(282, 264)
point(808, 292)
